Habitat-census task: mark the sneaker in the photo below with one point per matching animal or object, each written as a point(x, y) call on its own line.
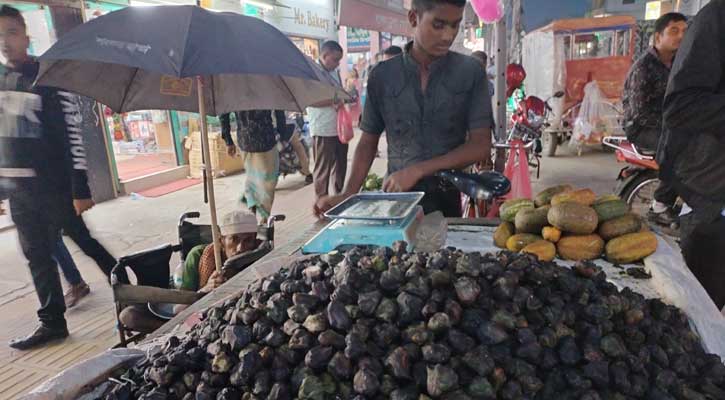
point(666, 218)
point(309, 179)
point(75, 294)
point(40, 336)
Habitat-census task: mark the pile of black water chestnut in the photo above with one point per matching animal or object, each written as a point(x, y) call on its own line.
point(385, 323)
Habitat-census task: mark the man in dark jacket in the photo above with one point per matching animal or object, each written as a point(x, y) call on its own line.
point(644, 93)
point(42, 171)
point(692, 150)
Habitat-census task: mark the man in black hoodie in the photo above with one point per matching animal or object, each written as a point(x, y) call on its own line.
point(691, 151)
point(42, 171)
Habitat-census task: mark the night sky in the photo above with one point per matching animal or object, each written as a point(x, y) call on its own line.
point(538, 13)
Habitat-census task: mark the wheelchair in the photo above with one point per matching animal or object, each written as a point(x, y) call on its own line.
point(152, 271)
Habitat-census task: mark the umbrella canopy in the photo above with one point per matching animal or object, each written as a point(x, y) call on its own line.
point(189, 59)
point(145, 58)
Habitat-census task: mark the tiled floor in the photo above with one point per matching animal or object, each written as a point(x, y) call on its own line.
point(130, 167)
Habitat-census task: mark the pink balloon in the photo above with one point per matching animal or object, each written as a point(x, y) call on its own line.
point(489, 11)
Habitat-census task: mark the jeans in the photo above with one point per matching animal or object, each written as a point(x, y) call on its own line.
point(62, 256)
point(37, 219)
point(76, 229)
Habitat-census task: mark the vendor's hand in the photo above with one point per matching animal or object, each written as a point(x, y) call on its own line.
point(402, 181)
point(82, 205)
point(2, 208)
point(325, 203)
point(231, 150)
point(215, 280)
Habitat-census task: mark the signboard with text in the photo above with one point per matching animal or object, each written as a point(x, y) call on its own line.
point(375, 15)
point(299, 18)
point(653, 10)
point(358, 39)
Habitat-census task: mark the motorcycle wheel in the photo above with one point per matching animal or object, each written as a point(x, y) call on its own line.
point(639, 192)
point(551, 142)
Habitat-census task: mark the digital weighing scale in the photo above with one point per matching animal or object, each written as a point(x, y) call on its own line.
point(369, 219)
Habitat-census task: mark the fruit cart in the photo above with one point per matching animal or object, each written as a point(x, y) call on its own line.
point(567, 55)
point(503, 320)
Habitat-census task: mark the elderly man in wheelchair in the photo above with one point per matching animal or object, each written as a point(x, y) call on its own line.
point(145, 307)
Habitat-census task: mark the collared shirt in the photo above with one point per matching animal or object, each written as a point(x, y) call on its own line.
point(421, 126)
point(644, 94)
point(323, 121)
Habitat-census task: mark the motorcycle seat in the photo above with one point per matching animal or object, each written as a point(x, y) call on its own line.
point(481, 186)
point(644, 151)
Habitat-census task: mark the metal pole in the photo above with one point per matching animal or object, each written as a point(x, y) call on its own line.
point(501, 62)
point(515, 56)
point(208, 170)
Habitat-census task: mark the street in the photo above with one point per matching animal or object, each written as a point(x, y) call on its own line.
point(130, 224)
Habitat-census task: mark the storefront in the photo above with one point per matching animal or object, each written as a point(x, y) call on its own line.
point(308, 23)
point(368, 27)
point(144, 143)
point(141, 149)
point(46, 22)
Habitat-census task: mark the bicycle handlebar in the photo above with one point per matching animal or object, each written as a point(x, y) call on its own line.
point(615, 141)
point(508, 145)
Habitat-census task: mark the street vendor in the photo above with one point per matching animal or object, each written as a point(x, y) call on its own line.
point(238, 235)
point(433, 105)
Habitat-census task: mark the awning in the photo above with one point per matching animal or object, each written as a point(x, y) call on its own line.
point(375, 15)
point(588, 24)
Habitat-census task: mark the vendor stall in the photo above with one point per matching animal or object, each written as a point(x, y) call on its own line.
point(568, 55)
point(664, 276)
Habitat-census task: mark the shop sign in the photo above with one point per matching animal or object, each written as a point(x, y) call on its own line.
point(358, 39)
point(300, 18)
point(225, 5)
point(653, 10)
point(376, 15)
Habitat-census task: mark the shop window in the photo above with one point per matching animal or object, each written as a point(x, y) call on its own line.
point(623, 40)
point(568, 47)
point(593, 45)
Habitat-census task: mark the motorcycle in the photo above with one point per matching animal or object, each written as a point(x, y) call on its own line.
point(530, 118)
point(289, 162)
point(639, 180)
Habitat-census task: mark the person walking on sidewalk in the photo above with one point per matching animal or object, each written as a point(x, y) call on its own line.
point(257, 138)
point(644, 93)
point(690, 152)
point(434, 107)
point(330, 154)
point(42, 158)
point(77, 287)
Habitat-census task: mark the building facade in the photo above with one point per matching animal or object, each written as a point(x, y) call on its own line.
point(638, 8)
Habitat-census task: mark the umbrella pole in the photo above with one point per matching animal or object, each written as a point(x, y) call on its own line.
point(208, 171)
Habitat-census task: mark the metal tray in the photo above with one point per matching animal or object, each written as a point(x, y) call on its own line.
point(391, 206)
point(162, 310)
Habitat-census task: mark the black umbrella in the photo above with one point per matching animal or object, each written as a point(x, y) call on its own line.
point(185, 58)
